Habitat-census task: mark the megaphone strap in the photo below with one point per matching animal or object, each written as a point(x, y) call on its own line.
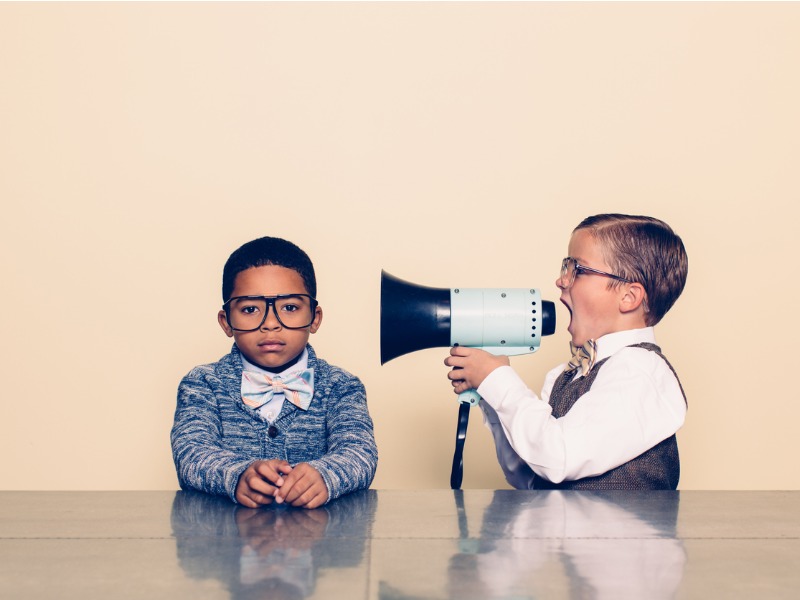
point(457, 470)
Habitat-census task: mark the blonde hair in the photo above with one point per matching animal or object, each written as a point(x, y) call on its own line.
point(643, 250)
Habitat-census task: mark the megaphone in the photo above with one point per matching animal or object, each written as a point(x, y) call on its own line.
point(505, 321)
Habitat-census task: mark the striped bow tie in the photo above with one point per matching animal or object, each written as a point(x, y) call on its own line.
point(259, 388)
point(583, 357)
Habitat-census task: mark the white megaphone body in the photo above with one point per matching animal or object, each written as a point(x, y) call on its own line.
point(503, 321)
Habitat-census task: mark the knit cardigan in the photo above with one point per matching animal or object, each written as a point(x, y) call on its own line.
point(215, 436)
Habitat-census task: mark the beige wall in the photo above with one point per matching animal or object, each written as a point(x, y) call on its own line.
point(450, 144)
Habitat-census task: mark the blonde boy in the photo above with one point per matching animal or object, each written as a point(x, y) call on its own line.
point(606, 419)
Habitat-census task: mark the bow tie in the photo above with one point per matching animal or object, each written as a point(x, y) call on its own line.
point(583, 357)
point(259, 388)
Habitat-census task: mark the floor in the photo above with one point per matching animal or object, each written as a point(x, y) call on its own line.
point(393, 544)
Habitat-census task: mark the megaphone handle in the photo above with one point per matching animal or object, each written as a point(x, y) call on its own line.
point(457, 471)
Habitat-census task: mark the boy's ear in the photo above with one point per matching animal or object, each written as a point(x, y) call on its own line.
point(317, 320)
point(633, 297)
point(223, 322)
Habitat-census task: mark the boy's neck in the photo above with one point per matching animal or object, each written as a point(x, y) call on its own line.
point(628, 322)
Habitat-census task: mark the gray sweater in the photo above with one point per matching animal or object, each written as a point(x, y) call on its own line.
point(215, 437)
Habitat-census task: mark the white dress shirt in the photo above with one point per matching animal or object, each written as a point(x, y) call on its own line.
point(634, 403)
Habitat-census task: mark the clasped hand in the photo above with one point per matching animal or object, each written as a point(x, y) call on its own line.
point(268, 481)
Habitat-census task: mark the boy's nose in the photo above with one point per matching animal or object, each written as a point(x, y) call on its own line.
point(271, 322)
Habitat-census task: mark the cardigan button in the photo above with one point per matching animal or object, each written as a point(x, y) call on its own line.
point(272, 431)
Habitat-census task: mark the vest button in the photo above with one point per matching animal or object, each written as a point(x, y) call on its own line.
point(272, 431)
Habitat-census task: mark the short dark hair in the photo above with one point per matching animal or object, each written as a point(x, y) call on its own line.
point(268, 251)
point(643, 250)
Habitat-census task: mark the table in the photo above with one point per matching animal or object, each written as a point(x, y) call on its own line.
point(403, 544)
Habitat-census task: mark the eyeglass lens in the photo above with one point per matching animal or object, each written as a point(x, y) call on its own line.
point(567, 272)
point(248, 314)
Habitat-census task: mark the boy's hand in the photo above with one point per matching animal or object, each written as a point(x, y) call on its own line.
point(303, 487)
point(471, 366)
point(261, 481)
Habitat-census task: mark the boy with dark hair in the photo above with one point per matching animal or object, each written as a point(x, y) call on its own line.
point(606, 419)
point(271, 421)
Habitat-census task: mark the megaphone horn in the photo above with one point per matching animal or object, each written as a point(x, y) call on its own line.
point(413, 317)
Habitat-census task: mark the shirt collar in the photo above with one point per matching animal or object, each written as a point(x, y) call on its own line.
point(300, 365)
point(612, 342)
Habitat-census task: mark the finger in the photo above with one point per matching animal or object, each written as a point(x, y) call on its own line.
point(291, 490)
point(301, 495)
point(258, 485)
point(455, 361)
point(282, 466)
point(456, 374)
point(312, 498)
point(310, 490)
point(255, 489)
point(452, 360)
point(245, 500)
point(459, 387)
point(272, 471)
point(252, 499)
point(261, 497)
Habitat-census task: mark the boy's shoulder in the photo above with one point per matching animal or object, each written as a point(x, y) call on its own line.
point(644, 359)
point(225, 367)
point(641, 351)
point(325, 372)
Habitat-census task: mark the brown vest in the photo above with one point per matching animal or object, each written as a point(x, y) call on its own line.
point(656, 469)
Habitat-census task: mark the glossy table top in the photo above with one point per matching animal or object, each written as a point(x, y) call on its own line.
point(393, 544)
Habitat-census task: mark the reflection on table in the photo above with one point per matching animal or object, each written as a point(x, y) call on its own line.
point(607, 544)
point(272, 552)
point(402, 544)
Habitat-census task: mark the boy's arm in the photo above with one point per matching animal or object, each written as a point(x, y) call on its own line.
point(517, 472)
point(201, 460)
point(630, 409)
point(352, 456)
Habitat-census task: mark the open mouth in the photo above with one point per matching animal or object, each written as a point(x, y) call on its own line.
point(569, 308)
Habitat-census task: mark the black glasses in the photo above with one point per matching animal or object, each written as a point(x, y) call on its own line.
point(570, 267)
point(248, 313)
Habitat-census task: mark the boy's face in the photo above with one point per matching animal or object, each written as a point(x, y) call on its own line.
point(273, 346)
point(594, 308)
